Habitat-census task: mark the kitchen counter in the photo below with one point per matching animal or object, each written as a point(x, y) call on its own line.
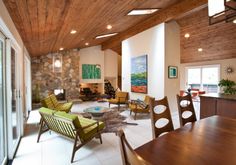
point(217, 104)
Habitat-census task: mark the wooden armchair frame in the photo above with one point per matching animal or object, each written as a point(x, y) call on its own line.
point(66, 128)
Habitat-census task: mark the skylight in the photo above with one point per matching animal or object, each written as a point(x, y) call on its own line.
point(142, 11)
point(106, 35)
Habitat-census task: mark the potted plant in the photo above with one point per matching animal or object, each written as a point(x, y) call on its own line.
point(36, 94)
point(228, 86)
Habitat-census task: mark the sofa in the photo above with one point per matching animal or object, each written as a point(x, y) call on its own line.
point(80, 130)
point(52, 103)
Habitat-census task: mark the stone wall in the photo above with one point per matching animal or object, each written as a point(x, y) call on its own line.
point(47, 80)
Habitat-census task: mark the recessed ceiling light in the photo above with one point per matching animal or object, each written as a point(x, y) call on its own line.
point(73, 31)
point(109, 27)
point(86, 43)
point(187, 35)
point(200, 49)
point(142, 11)
point(61, 49)
point(106, 35)
point(234, 21)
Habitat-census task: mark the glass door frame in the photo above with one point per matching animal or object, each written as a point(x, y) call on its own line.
point(201, 67)
point(13, 147)
point(5, 139)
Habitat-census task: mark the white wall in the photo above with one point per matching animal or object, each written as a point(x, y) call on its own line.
point(172, 58)
point(150, 42)
point(161, 44)
point(92, 55)
point(108, 61)
point(223, 65)
point(111, 66)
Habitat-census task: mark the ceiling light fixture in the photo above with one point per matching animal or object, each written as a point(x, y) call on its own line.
point(73, 31)
point(142, 11)
point(87, 44)
point(234, 21)
point(106, 35)
point(221, 10)
point(200, 49)
point(109, 27)
point(187, 35)
point(61, 49)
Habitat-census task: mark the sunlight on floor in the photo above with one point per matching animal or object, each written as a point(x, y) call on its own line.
point(54, 149)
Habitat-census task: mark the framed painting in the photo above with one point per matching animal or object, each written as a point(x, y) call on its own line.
point(91, 71)
point(172, 72)
point(139, 74)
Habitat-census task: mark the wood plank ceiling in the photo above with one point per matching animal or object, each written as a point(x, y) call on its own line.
point(45, 25)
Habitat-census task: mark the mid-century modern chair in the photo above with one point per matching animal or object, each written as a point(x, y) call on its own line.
point(121, 98)
point(137, 107)
point(164, 112)
point(52, 103)
point(129, 156)
point(185, 104)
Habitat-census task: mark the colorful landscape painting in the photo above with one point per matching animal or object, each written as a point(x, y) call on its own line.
point(139, 74)
point(91, 71)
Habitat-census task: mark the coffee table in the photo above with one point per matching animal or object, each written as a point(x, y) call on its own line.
point(97, 111)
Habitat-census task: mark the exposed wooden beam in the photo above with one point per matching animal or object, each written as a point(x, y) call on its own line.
point(164, 15)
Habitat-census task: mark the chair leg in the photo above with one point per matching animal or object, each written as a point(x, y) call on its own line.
point(75, 148)
point(118, 107)
point(100, 137)
point(109, 105)
point(40, 130)
point(130, 112)
point(135, 115)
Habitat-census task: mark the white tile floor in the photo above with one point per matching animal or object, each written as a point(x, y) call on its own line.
point(53, 149)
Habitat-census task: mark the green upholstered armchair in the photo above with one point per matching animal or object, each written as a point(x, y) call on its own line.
point(121, 98)
point(52, 103)
point(79, 129)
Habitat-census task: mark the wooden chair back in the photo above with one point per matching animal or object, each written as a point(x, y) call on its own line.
point(164, 114)
point(185, 104)
point(62, 126)
point(129, 156)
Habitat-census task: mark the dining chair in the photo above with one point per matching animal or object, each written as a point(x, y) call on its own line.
point(159, 110)
point(185, 105)
point(129, 156)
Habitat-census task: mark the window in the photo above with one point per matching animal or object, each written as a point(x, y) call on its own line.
point(203, 78)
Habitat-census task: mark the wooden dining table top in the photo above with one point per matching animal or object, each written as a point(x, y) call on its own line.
point(208, 141)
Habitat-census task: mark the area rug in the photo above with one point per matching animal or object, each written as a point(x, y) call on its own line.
point(112, 119)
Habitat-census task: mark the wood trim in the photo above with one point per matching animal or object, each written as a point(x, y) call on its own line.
point(161, 16)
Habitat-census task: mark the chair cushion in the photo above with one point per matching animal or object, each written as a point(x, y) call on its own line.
point(64, 107)
point(138, 109)
point(47, 103)
point(54, 100)
point(113, 101)
point(46, 111)
point(90, 131)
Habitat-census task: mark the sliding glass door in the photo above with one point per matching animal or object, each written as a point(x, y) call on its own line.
point(13, 95)
point(203, 77)
point(3, 153)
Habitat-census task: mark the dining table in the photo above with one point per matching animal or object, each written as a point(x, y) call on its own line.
point(207, 141)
